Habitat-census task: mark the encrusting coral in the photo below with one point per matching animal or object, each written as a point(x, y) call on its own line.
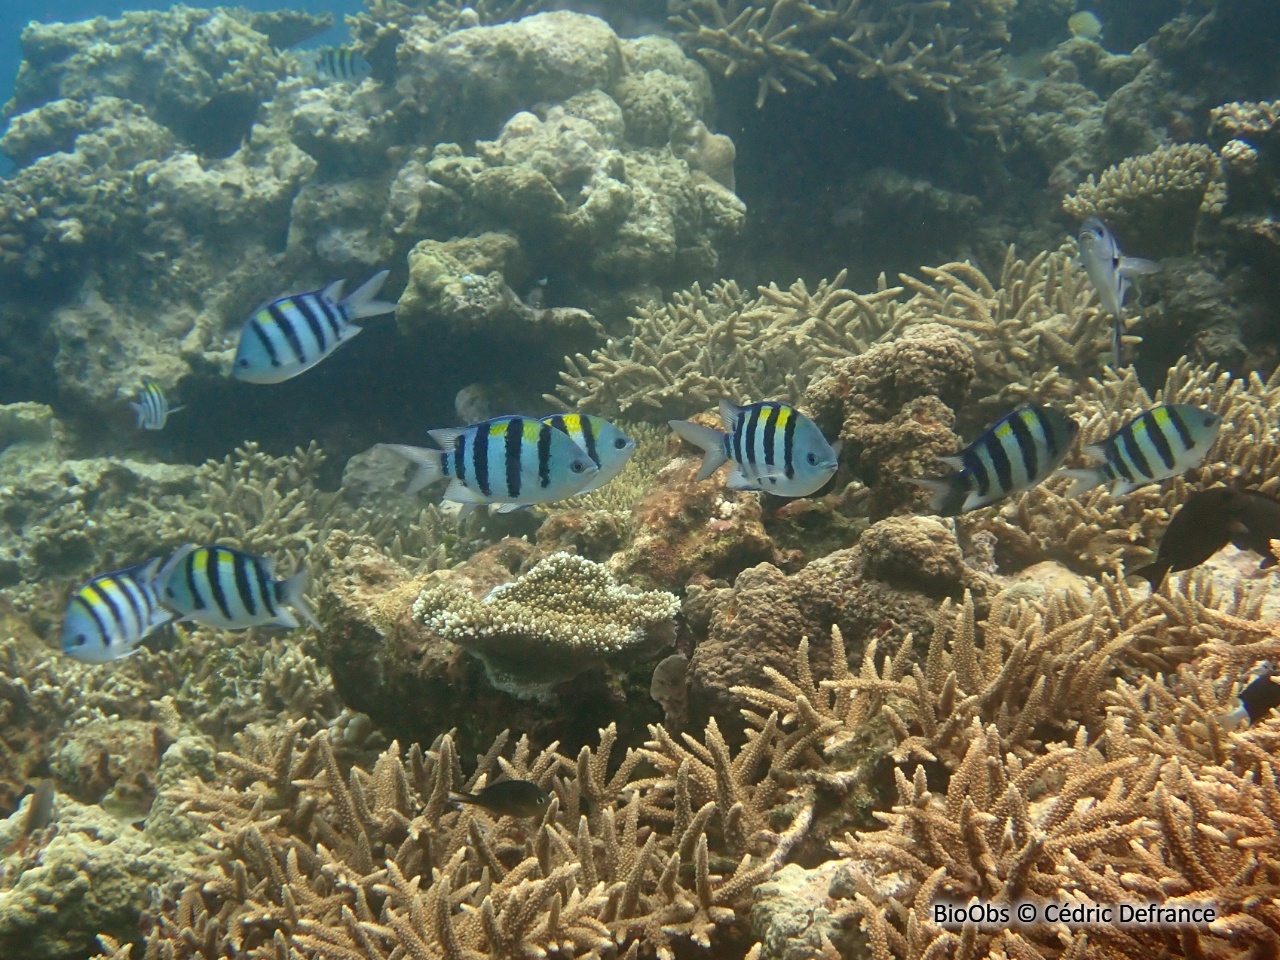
point(562, 617)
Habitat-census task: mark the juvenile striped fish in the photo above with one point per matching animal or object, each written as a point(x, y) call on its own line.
point(509, 461)
point(340, 63)
point(292, 334)
point(773, 447)
point(1160, 443)
point(607, 446)
point(152, 407)
point(1014, 454)
point(232, 590)
point(110, 615)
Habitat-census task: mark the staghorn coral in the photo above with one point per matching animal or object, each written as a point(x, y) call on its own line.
point(1155, 200)
point(1097, 532)
point(944, 52)
point(1034, 334)
point(562, 617)
point(360, 864)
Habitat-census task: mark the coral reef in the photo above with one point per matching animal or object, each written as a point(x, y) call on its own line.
point(565, 615)
point(1153, 200)
point(368, 863)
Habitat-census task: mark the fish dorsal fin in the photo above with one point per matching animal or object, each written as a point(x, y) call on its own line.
point(729, 414)
point(447, 437)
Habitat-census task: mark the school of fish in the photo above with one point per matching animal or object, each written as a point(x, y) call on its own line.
point(512, 462)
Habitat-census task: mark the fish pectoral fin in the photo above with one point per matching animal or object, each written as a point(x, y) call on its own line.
point(1136, 266)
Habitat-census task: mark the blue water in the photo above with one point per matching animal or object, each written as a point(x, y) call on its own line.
point(16, 14)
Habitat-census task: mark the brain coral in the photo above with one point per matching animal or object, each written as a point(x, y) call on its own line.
point(559, 619)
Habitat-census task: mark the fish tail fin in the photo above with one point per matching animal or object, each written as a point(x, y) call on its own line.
point(292, 592)
point(1153, 573)
point(709, 441)
point(1084, 480)
point(946, 496)
point(362, 301)
point(139, 412)
point(461, 798)
point(430, 464)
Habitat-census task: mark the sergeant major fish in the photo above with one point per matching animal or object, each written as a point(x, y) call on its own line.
point(1109, 271)
point(292, 334)
point(109, 616)
point(152, 407)
point(607, 446)
point(773, 447)
point(1160, 443)
point(1014, 454)
point(340, 63)
point(232, 590)
point(508, 461)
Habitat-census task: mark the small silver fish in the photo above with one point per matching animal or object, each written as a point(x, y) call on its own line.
point(152, 407)
point(1110, 271)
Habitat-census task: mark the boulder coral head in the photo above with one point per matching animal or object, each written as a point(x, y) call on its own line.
point(564, 616)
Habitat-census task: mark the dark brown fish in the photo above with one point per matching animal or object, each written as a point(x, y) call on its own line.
point(1259, 515)
point(508, 798)
point(1197, 530)
point(1259, 698)
point(38, 816)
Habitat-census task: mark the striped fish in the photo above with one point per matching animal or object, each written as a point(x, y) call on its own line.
point(108, 617)
point(153, 407)
point(1014, 454)
point(340, 63)
point(287, 336)
point(773, 447)
point(510, 461)
point(1155, 445)
point(607, 446)
point(232, 590)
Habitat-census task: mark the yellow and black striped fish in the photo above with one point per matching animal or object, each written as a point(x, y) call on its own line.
point(1014, 454)
point(231, 589)
point(152, 407)
point(510, 461)
point(108, 617)
point(773, 447)
point(607, 446)
point(1157, 444)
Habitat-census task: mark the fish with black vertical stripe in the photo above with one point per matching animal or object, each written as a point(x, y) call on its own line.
point(772, 446)
point(1155, 445)
point(152, 407)
point(287, 336)
point(232, 590)
point(110, 615)
point(1014, 454)
point(509, 462)
point(607, 446)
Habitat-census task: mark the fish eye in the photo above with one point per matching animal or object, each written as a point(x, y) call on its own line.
point(578, 466)
point(812, 458)
point(242, 362)
point(619, 444)
point(79, 640)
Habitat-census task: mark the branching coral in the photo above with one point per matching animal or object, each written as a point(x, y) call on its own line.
point(561, 618)
point(362, 864)
point(916, 49)
point(1034, 334)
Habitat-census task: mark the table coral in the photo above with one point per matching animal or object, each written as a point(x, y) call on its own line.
point(562, 617)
